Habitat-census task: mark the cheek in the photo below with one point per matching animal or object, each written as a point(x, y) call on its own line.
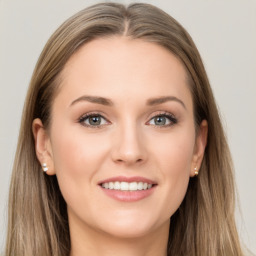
point(173, 158)
point(174, 152)
point(75, 150)
point(77, 158)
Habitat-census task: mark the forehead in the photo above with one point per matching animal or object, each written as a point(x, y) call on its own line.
point(121, 67)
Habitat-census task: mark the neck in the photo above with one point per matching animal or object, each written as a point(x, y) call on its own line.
point(88, 241)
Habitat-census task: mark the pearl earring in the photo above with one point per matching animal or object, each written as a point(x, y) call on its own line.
point(196, 171)
point(44, 167)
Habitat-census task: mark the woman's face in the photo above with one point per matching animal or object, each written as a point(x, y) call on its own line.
point(122, 140)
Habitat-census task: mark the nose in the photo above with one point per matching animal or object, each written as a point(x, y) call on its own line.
point(129, 147)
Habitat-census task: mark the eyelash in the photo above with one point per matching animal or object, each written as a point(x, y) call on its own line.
point(83, 118)
point(171, 118)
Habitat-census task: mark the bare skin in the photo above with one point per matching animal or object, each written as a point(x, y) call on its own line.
point(124, 109)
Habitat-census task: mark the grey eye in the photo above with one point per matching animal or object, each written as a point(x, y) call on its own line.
point(93, 120)
point(160, 121)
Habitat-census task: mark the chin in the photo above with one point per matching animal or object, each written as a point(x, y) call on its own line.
point(124, 232)
point(133, 227)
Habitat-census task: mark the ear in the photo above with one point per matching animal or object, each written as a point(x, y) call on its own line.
point(200, 144)
point(43, 146)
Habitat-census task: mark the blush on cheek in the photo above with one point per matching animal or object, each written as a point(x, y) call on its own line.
point(175, 164)
point(176, 156)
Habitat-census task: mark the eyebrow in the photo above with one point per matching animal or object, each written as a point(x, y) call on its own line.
point(161, 100)
point(93, 99)
point(108, 102)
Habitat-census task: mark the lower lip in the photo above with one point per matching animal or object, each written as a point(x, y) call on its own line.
point(128, 196)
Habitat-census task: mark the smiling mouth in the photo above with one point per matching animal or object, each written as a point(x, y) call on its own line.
point(128, 189)
point(127, 186)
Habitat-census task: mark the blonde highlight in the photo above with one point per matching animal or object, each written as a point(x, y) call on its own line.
point(203, 225)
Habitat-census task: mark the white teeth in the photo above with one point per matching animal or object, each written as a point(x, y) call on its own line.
point(140, 185)
point(117, 185)
point(133, 186)
point(110, 185)
point(126, 186)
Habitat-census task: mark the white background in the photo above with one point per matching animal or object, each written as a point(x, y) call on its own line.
point(225, 33)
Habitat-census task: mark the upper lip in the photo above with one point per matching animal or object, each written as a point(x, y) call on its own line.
point(128, 179)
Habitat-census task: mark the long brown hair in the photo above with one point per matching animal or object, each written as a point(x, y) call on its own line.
point(204, 223)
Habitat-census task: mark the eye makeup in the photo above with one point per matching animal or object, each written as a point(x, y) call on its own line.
point(93, 120)
point(161, 119)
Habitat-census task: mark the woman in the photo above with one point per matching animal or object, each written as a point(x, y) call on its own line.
point(126, 155)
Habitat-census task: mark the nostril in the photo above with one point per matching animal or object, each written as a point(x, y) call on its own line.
point(140, 160)
point(128, 155)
